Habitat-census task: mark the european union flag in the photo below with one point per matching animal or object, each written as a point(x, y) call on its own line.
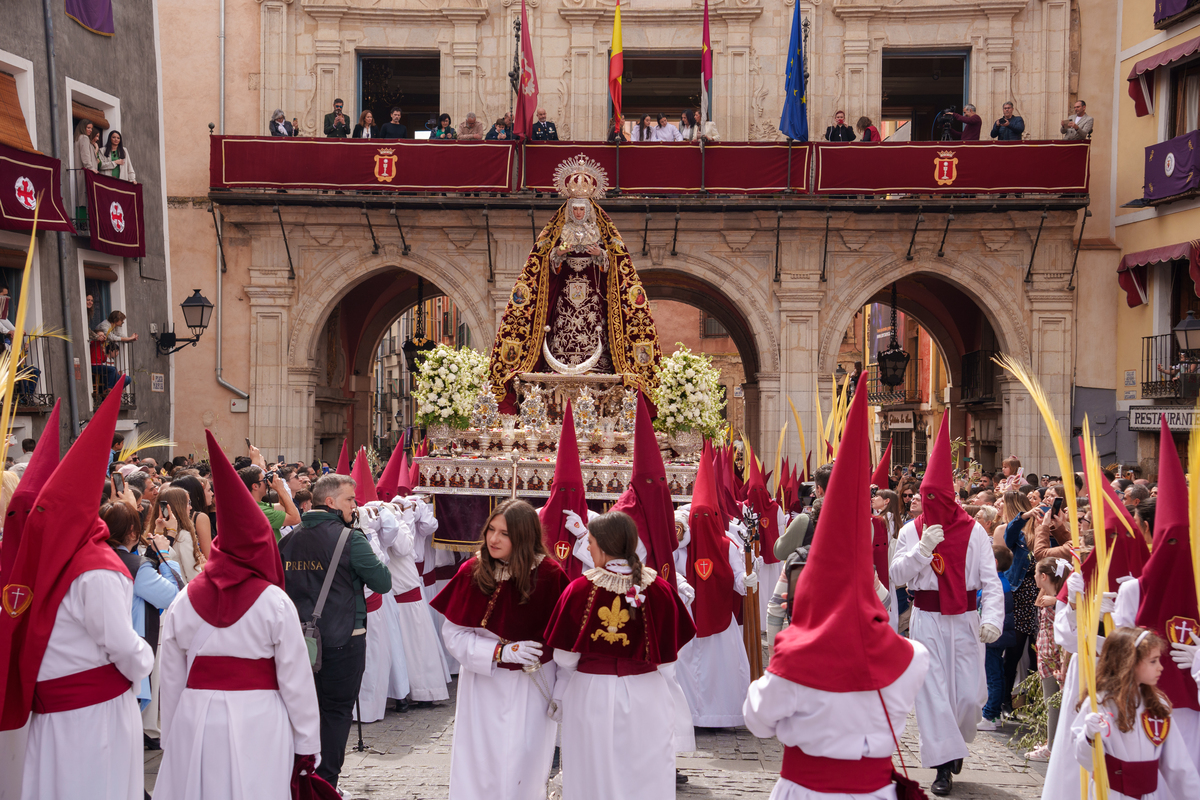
point(794, 123)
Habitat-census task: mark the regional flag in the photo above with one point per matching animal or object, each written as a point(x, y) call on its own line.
point(527, 87)
point(616, 63)
point(706, 73)
point(794, 123)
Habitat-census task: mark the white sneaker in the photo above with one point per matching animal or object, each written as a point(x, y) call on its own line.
point(986, 724)
point(1039, 753)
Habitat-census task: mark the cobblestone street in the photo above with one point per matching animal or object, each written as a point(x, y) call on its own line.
point(407, 757)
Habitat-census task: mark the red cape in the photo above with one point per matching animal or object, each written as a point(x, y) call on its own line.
point(245, 560)
point(708, 569)
point(939, 507)
point(62, 538)
point(761, 503)
point(567, 493)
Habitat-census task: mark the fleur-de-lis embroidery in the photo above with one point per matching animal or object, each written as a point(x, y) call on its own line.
point(612, 619)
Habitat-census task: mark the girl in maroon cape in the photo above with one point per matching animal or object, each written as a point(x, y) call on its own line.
point(613, 631)
point(496, 608)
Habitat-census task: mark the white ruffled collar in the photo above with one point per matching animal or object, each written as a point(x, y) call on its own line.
point(619, 582)
point(502, 572)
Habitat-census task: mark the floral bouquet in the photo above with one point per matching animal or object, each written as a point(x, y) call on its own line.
point(689, 395)
point(448, 382)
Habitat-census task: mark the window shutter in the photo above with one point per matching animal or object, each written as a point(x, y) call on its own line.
point(13, 130)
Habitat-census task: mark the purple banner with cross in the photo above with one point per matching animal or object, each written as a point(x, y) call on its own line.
point(1171, 167)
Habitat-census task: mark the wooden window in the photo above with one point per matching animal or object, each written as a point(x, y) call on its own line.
point(1185, 99)
point(14, 132)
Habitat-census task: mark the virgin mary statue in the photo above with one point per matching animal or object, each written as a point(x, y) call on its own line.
point(578, 306)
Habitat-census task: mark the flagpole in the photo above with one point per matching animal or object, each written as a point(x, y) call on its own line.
point(514, 76)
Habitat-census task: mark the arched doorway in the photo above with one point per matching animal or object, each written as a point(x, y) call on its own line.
point(951, 340)
point(696, 313)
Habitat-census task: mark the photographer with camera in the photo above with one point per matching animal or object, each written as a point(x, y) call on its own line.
point(972, 123)
point(1008, 128)
point(258, 480)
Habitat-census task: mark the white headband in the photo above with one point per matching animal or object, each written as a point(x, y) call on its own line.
point(1060, 566)
point(1140, 637)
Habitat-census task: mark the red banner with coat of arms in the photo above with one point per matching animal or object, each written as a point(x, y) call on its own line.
point(115, 219)
point(372, 165)
point(23, 177)
point(952, 168)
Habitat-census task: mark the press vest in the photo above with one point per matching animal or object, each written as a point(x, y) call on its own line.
point(306, 553)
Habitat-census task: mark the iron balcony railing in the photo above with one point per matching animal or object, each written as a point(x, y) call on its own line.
point(1165, 373)
point(34, 392)
point(880, 394)
point(979, 377)
point(119, 361)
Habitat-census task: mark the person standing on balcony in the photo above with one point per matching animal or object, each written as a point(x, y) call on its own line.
point(544, 131)
point(337, 125)
point(472, 129)
point(1079, 126)
point(1008, 128)
point(972, 123)
point(393, 129)
point(115, 160)
point(280, 126)
point(867, 132)
point(366, 128)
point(109, 339)
point(839, 131)
point(87, 157)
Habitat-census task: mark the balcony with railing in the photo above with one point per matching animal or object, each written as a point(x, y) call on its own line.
point(1165, 373)
point(880, 394)
point(1169, 13)
point(119, 361)
point(33, 389)
point(979, 377)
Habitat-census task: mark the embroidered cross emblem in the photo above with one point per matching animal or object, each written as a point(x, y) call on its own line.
point(25, 194)
point(117, 215)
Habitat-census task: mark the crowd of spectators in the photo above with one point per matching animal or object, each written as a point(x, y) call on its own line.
point(1008, 127)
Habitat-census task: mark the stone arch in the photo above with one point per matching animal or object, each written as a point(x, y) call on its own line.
point(334, 278)
point(1003, 306)
point(733, 299)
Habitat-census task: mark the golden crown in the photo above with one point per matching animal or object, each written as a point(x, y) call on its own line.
point(581, 176)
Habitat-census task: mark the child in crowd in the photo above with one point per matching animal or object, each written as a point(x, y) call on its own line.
point(1051, 574)
point(993, 660)
point(1134, 722)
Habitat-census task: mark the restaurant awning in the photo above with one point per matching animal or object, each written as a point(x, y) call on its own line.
point(1141, 77)
point(1133, 271)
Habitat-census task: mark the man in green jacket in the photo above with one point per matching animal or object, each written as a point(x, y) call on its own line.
point(307, 554)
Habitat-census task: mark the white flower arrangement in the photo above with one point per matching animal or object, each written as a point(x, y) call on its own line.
point(448, 382)
point(689, 395)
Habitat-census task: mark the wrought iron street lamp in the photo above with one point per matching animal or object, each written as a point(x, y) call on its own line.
point(893, 362)
point(197, 311)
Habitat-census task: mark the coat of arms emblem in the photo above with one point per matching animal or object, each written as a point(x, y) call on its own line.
point(704, 568)
point(385, 165)
point(945, 168)
point(1156, 728)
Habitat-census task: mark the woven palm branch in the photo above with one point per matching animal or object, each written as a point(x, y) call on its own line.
point(145, 441)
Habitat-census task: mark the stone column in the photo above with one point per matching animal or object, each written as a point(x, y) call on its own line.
point(998, 58)
point(276, 406)
point(327, 64)
point(859, 87)
point(276, 54)
point(584, 77)
point(734, 73)
point(460, 72)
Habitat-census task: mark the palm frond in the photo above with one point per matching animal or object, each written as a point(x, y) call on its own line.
point(145, 441)
point(800, 431)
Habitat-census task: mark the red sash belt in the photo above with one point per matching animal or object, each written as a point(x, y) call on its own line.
point(429, 579)
point(1131, 778)
point(420, 565)
point(411, 596)
point(80, 690)
point(232, 674)
point(836, 775)
point(610, 665)
point(374, 602)
point(930, 600)
point(445, 572)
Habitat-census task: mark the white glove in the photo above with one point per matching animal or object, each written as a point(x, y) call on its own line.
point(1108, 603)
point(524, 653)
point(988, 633)
point(1184, 655)
point(881, 592)
point(1074, 585)
point(750, 580)
point(931, 537)
point(1094, 724)
point(686, 591)
point(575, 524)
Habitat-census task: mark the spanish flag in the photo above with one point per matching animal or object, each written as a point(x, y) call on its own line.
point(616, 63)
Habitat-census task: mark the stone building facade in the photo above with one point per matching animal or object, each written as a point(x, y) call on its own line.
point(302, 346)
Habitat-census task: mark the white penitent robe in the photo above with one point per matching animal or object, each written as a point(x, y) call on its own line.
point(617, 734)
point(377, 673)
point(1062, 773)
point(93, 752)
point(768, 574)
point(1185, 722)
point(424, 524)
point(950, 703)
point(500, 721)
point(428, 672)
point(714, 671)
point(1176, 771)
point(842, 725)
point(236, 745)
